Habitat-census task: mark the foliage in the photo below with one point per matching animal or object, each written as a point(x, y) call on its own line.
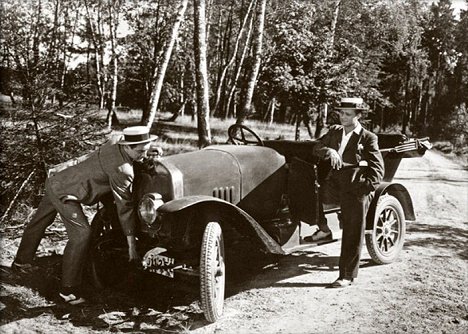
point(66, 133)
point(407, 58)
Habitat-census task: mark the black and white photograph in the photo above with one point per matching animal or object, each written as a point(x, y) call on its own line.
point(234, 166)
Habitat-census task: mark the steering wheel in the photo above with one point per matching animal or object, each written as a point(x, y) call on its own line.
point(237, 136)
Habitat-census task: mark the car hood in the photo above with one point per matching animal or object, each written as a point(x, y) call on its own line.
point(228, 172)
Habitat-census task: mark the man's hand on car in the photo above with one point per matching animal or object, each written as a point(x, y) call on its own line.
point(154, 152)
point(335, 159)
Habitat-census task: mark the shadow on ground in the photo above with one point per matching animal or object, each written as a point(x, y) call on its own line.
point(140, 302)
point(137, 303)
point(439, 236)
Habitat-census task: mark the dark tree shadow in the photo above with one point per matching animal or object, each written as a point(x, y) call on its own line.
point(440, 236)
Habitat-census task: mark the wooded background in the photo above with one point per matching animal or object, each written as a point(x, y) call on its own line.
point(276, 61)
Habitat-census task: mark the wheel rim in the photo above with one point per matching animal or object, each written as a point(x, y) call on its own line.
point(388, 231)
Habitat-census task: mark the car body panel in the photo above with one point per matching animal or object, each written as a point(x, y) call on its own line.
point(255, 180)
point(262, 190)
point(216, 204)
point(397, 190)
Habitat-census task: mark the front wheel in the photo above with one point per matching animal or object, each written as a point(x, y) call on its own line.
point(212, 272)
point(388, 235)
point(108, 262)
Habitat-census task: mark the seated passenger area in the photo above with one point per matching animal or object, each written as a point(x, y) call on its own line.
point(304, 169)
point(390, 140)
point(290, 149)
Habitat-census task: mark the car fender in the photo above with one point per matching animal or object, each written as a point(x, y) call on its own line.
point(397, 190)
point(243, 219)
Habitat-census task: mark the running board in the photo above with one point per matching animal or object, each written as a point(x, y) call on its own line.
point(305, 245)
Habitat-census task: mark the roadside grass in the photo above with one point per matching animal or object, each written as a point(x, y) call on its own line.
point(181, 135)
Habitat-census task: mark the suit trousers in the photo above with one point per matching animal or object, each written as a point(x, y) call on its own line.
point(336, 189)
point(78, 231)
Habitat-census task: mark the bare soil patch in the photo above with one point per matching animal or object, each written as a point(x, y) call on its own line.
point(424, 292)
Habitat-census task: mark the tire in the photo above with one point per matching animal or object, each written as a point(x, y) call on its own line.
point(108, 263)
point(212, 272)
point(388, 235)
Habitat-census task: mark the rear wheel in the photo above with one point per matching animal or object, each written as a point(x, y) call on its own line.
point(388, 235)
point(212, 272)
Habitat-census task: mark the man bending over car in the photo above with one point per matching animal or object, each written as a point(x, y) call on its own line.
point(109, 170)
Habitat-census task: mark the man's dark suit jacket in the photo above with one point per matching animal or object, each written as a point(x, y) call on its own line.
point(108, 170)
point(360, 147)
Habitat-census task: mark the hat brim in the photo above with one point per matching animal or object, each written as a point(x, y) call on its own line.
point(350, 108)
point(124, 142)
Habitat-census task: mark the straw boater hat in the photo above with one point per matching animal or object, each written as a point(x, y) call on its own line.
point(136, 135)
point(354, 103)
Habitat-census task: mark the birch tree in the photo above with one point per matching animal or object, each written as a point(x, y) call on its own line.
point(113, 8)
point(156, 92)
point(247, 107)
point(94, 16)
point(235, 80)
point(323, 110)
point(203, 107)
point(233, 56)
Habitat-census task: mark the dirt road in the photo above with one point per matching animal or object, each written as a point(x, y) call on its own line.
point(424, 292)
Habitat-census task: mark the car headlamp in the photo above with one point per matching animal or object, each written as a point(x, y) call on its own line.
point(147, 208)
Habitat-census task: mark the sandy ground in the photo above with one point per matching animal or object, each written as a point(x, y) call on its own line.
point(423, 292)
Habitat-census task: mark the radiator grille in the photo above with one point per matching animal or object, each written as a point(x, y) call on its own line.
point(224, 193)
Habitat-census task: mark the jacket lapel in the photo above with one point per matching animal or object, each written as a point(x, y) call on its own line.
point(349, 154)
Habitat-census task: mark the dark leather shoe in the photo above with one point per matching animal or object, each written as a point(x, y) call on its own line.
point(24, 268)
point(341, 283)
point(319, 235)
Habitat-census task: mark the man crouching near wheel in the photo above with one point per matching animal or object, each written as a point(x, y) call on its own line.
point(109, 170)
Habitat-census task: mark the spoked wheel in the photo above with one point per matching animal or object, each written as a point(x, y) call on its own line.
point(212, 272)
point(388, 235)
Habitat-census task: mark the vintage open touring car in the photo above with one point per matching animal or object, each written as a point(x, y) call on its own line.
point(200, 211)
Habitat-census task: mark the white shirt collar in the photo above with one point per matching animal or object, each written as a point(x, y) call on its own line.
point(358, 128)
point(346, 137)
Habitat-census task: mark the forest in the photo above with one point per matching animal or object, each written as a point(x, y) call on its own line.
point(273, 61)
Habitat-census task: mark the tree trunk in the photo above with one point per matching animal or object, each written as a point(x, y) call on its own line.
point(224, 51)
point(113, 22)
point(233, 57)
point(239, 69)
point(203, 107)
point(322, 117)
point(152, 77)
point(156, 92)
point(297, 134)
point(96, 39)
point(272, 112)
point(66, 55)
point(406, 109)
point(333, 25)
point(256, 67)
point(320, 122)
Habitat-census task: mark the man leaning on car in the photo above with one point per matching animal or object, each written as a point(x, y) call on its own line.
point(345, 147)
point(109, 170)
